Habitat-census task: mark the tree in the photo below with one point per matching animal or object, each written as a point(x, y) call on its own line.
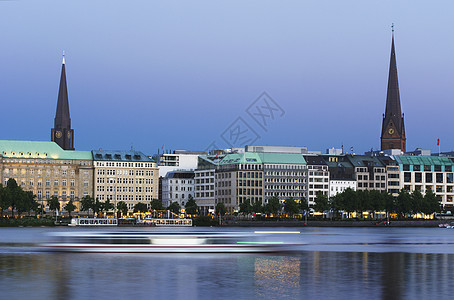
point(377, 200)
point(431, 203)
point(4, 204)
point(390, 203)
point(97, 207)
point(291, 207)
point(70, 207)
point(191, 206)
point(404, 202)
point(156, 204)
point(30, 203)
point(12, 194)
point(417, 202)
point(220, 209)
point(174, 207)
point(350, 200)
point(257, 207)
point(54, 204)
point(304, 204)
point(87, 203)
point(140, 207)
point(321, 203)
point(246, 207)
point(273, 206)
point(106, 206)
point(122, 207)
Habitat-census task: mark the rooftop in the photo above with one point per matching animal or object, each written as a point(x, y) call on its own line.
point(116, 155)
point(40, 149)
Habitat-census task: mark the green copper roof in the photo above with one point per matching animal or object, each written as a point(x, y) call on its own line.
point(263, 158)
point(38, 149)
point(424, 160)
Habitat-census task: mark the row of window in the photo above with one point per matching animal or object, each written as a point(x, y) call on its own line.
point(124, 180)
point(124, 172)
point(426, 168)
point(39, 183)
point(40, 172)
point(123, 164)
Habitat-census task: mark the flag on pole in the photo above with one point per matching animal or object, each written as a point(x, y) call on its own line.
point(217, 153)
point(162, 146)
point(438, 142)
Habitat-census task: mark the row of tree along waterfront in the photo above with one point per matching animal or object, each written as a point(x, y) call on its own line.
point(350, 203)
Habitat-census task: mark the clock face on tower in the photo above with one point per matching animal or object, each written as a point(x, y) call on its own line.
point(391, 131)
point(58, 134)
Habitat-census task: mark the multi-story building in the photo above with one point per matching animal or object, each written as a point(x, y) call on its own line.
point(318, 177)
point(128, 176)
point(259, 176)
point(178, 160)
point(47, 170)
point(286, 176)
point(204, 182)
point(341, 172)
point(370, 172)
point(177, 186)
point(424, 173)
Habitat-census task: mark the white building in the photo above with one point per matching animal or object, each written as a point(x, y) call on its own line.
point(338, 186)
point(177, 186)
point(178, 160)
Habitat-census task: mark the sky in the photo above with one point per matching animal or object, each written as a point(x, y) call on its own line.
point(195, 75)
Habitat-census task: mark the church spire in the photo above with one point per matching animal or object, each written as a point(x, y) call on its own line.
point(62, 133)
point(393, 128)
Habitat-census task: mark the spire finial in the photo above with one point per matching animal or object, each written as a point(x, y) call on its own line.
point(63, 57)
point(392, 27)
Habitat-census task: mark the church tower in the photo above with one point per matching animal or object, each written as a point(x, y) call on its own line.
point(62, 134)
point(393, 128)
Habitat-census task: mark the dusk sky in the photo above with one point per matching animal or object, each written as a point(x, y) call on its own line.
point(180, 73)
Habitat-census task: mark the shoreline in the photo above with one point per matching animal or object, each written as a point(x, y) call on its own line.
point(312, 223)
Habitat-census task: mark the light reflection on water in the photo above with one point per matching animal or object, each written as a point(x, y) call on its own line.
point(311, 274)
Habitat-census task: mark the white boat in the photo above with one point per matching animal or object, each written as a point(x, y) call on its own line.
point(163, 242)
point(93, 222)
point(166, 222)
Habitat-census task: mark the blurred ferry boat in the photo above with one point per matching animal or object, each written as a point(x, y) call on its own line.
point(166, 222)
point(163, 242)
point(93, 222)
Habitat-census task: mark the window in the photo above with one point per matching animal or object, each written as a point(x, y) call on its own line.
point(407, 177)
point(55, 182)
point(418, 177)
point(439, 177)
point(449, 177)
point(429, 177)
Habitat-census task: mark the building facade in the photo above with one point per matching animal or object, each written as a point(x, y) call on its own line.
point(47, 170)
point(128, 176)
point(424, 173)
point(257, 177)
point(177, 186)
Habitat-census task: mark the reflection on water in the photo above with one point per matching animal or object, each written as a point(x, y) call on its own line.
point(309, 275)
point(333, 263)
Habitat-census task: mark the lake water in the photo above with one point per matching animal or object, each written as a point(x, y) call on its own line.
point(330, 263)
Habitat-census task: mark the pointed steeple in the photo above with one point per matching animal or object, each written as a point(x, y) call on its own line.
point(62, 133)
point(393, 128)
